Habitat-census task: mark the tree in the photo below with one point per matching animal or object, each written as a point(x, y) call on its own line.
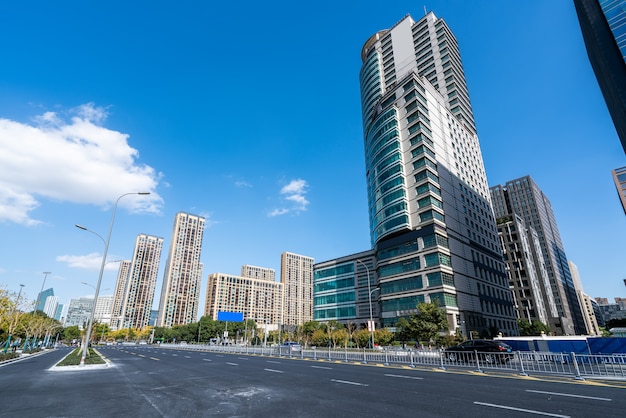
point(383, 336)
point(361, 337)
point(535, 328)
point(71, 333)
point(426, 324)
point(320, 338)
point(308, 329)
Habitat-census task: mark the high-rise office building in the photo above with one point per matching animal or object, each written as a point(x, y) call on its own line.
point(345, 290)
point(119, 294)
point(431, 222)
point(141, 282)
point(50, 306)
point(602, 24)
point(585, 301)
point(523, 197)
point(255, 272)
point(78, 312)
point(104, 307)
point(58, 314)
point(528, 277)
point(296, 275)
point(257, 299)
point(619, 178)
point(41, 299)
point(180, 293)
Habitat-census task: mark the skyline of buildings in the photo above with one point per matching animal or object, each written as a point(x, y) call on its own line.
point(394, 210)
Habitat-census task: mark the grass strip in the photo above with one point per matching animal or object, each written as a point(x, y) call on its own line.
point(73, 359)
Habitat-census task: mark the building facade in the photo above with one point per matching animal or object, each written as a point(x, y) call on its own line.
point(104, 308)
point(257, 299)
point(180, 293)
point(431, 222)
point(260, 273)
point(41, 299)
point(523, 197)
point(345, 290)
point(619, 178)
point(296, 276)
point(585, 301)
point(119, 294)
point(602, 24)
point(50, 306)
point(141, 282)
point(78, 312)
point(528, 277)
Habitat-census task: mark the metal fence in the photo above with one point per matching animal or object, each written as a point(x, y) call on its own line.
point(578, 366)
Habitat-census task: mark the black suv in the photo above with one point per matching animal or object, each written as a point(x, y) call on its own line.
point(489, 351)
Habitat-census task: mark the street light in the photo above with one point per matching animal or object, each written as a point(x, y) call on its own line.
point(45, 274)
point(370, 324)
point(104, 257)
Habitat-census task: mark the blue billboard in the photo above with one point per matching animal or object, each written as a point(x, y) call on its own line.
point(230, 316)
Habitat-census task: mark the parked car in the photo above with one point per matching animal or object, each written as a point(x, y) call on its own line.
point(489, 351)
point(292, 346)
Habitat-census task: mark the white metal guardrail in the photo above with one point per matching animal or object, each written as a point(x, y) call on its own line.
point(578, 366)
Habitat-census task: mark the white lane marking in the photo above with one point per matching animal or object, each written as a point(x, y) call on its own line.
point(232, 364)
point(206, 359)
point(530, 411)
point(273, 371)
point(322, 367)
point(348, 382)
point(175, 355)
point(154, 358)
point(275, 362)
point(404, 377)
point(187, 357)
point(570, 395)
point(242, 358)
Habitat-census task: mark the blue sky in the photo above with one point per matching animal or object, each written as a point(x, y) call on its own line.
point(248, 113)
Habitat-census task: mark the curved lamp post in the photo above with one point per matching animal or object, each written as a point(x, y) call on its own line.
point(104, 257)
point(369, 291)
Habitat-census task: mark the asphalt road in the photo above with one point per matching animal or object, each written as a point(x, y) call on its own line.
point(146, 381)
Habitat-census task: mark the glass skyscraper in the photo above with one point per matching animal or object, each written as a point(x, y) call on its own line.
point(603, 25)
point(431, 223)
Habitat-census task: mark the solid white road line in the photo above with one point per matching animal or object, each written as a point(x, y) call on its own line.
point(348, 382)
point(570, 395)
point(530, 411)
point(404, 377)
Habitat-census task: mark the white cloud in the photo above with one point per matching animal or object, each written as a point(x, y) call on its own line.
point(242, 183)
point(293, 193)
point(91, 261)
point(75, 161)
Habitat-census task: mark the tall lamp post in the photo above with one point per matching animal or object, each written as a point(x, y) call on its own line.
point(104, 257)
point(45, 275)
point(370, 324)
